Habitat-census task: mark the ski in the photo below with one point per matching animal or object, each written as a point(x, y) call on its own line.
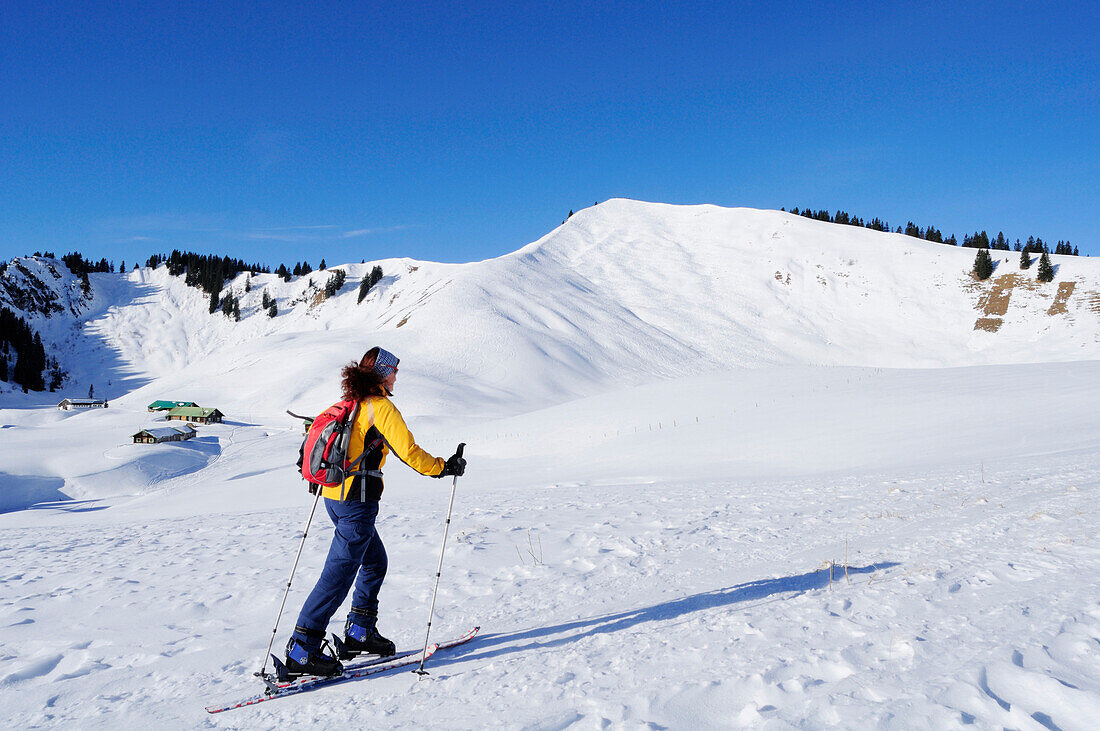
point(378, 659)
point(373, 666)
point(312, 682)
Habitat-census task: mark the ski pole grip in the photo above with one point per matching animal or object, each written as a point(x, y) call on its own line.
point(461, 446)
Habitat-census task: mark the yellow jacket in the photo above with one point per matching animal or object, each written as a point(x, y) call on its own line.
point(380, 413)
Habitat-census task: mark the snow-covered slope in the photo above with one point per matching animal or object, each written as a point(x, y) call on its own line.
point(677, 417)
point(623, 293)
point(40, 287)
point(626, 292)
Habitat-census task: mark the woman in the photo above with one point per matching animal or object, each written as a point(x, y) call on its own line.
point(357, 554)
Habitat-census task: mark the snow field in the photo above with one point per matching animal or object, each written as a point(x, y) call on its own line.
point(663, 604)
point(608, 590)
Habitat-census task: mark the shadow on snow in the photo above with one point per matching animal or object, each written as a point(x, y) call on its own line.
point(18, 492)
point(544, 637)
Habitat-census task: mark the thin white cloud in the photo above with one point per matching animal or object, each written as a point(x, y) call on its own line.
point(371, 231)
point(162, 222)
point(312, 227)
point(262, 236)
point(159, 227)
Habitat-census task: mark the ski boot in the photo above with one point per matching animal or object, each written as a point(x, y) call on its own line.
point(361, 637)
point(302, 660)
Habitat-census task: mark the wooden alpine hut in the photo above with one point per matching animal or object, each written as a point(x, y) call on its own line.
point(70, 404)
point(165, 434)
point(196, 414)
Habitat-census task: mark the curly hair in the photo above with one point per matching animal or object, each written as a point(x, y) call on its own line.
point(359, 380)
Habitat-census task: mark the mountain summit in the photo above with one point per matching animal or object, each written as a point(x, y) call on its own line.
point(621, 294)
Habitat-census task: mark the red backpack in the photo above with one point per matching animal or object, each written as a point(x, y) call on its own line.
point(323, 457)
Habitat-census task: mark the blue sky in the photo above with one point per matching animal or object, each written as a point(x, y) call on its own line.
point(278, 132)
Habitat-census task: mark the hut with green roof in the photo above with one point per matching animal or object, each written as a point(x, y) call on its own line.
point(169, 405)
point(195, 414)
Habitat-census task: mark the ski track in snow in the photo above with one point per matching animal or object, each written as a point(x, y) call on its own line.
point(635, 605)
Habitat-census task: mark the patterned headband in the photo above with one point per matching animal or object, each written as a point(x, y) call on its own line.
point(385, 363)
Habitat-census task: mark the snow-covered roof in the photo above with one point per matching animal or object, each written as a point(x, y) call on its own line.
point(196, 411)
point(165, 432)
point(170, 404)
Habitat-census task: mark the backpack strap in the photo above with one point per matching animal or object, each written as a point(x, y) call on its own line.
point(353, 466)
point(345, 440)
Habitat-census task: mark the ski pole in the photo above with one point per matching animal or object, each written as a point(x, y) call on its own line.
point(305, 531)
point(446, 526)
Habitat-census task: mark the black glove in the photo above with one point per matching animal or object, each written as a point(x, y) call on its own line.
point(456, 466)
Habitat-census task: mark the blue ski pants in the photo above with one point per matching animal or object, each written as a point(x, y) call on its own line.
point(356, 555)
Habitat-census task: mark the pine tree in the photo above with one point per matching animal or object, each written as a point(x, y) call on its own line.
point(298, 269)
point(979, 240)
point(369, 281)
point(335, 282)
point(215, 302)
point(29, 364)
point(983, 265)
point(19, 369)
point(248, 284)
point(322, 265)
point(3, 367)
point(274, 310)
point(39, 363)
point(122, 267)
point(1025, 259)
point(24, 356)
point(266, 299)
point(1046, 271)
point(57, 376)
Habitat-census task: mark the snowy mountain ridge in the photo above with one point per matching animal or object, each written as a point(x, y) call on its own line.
point(40, 287)
point(621, 294)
